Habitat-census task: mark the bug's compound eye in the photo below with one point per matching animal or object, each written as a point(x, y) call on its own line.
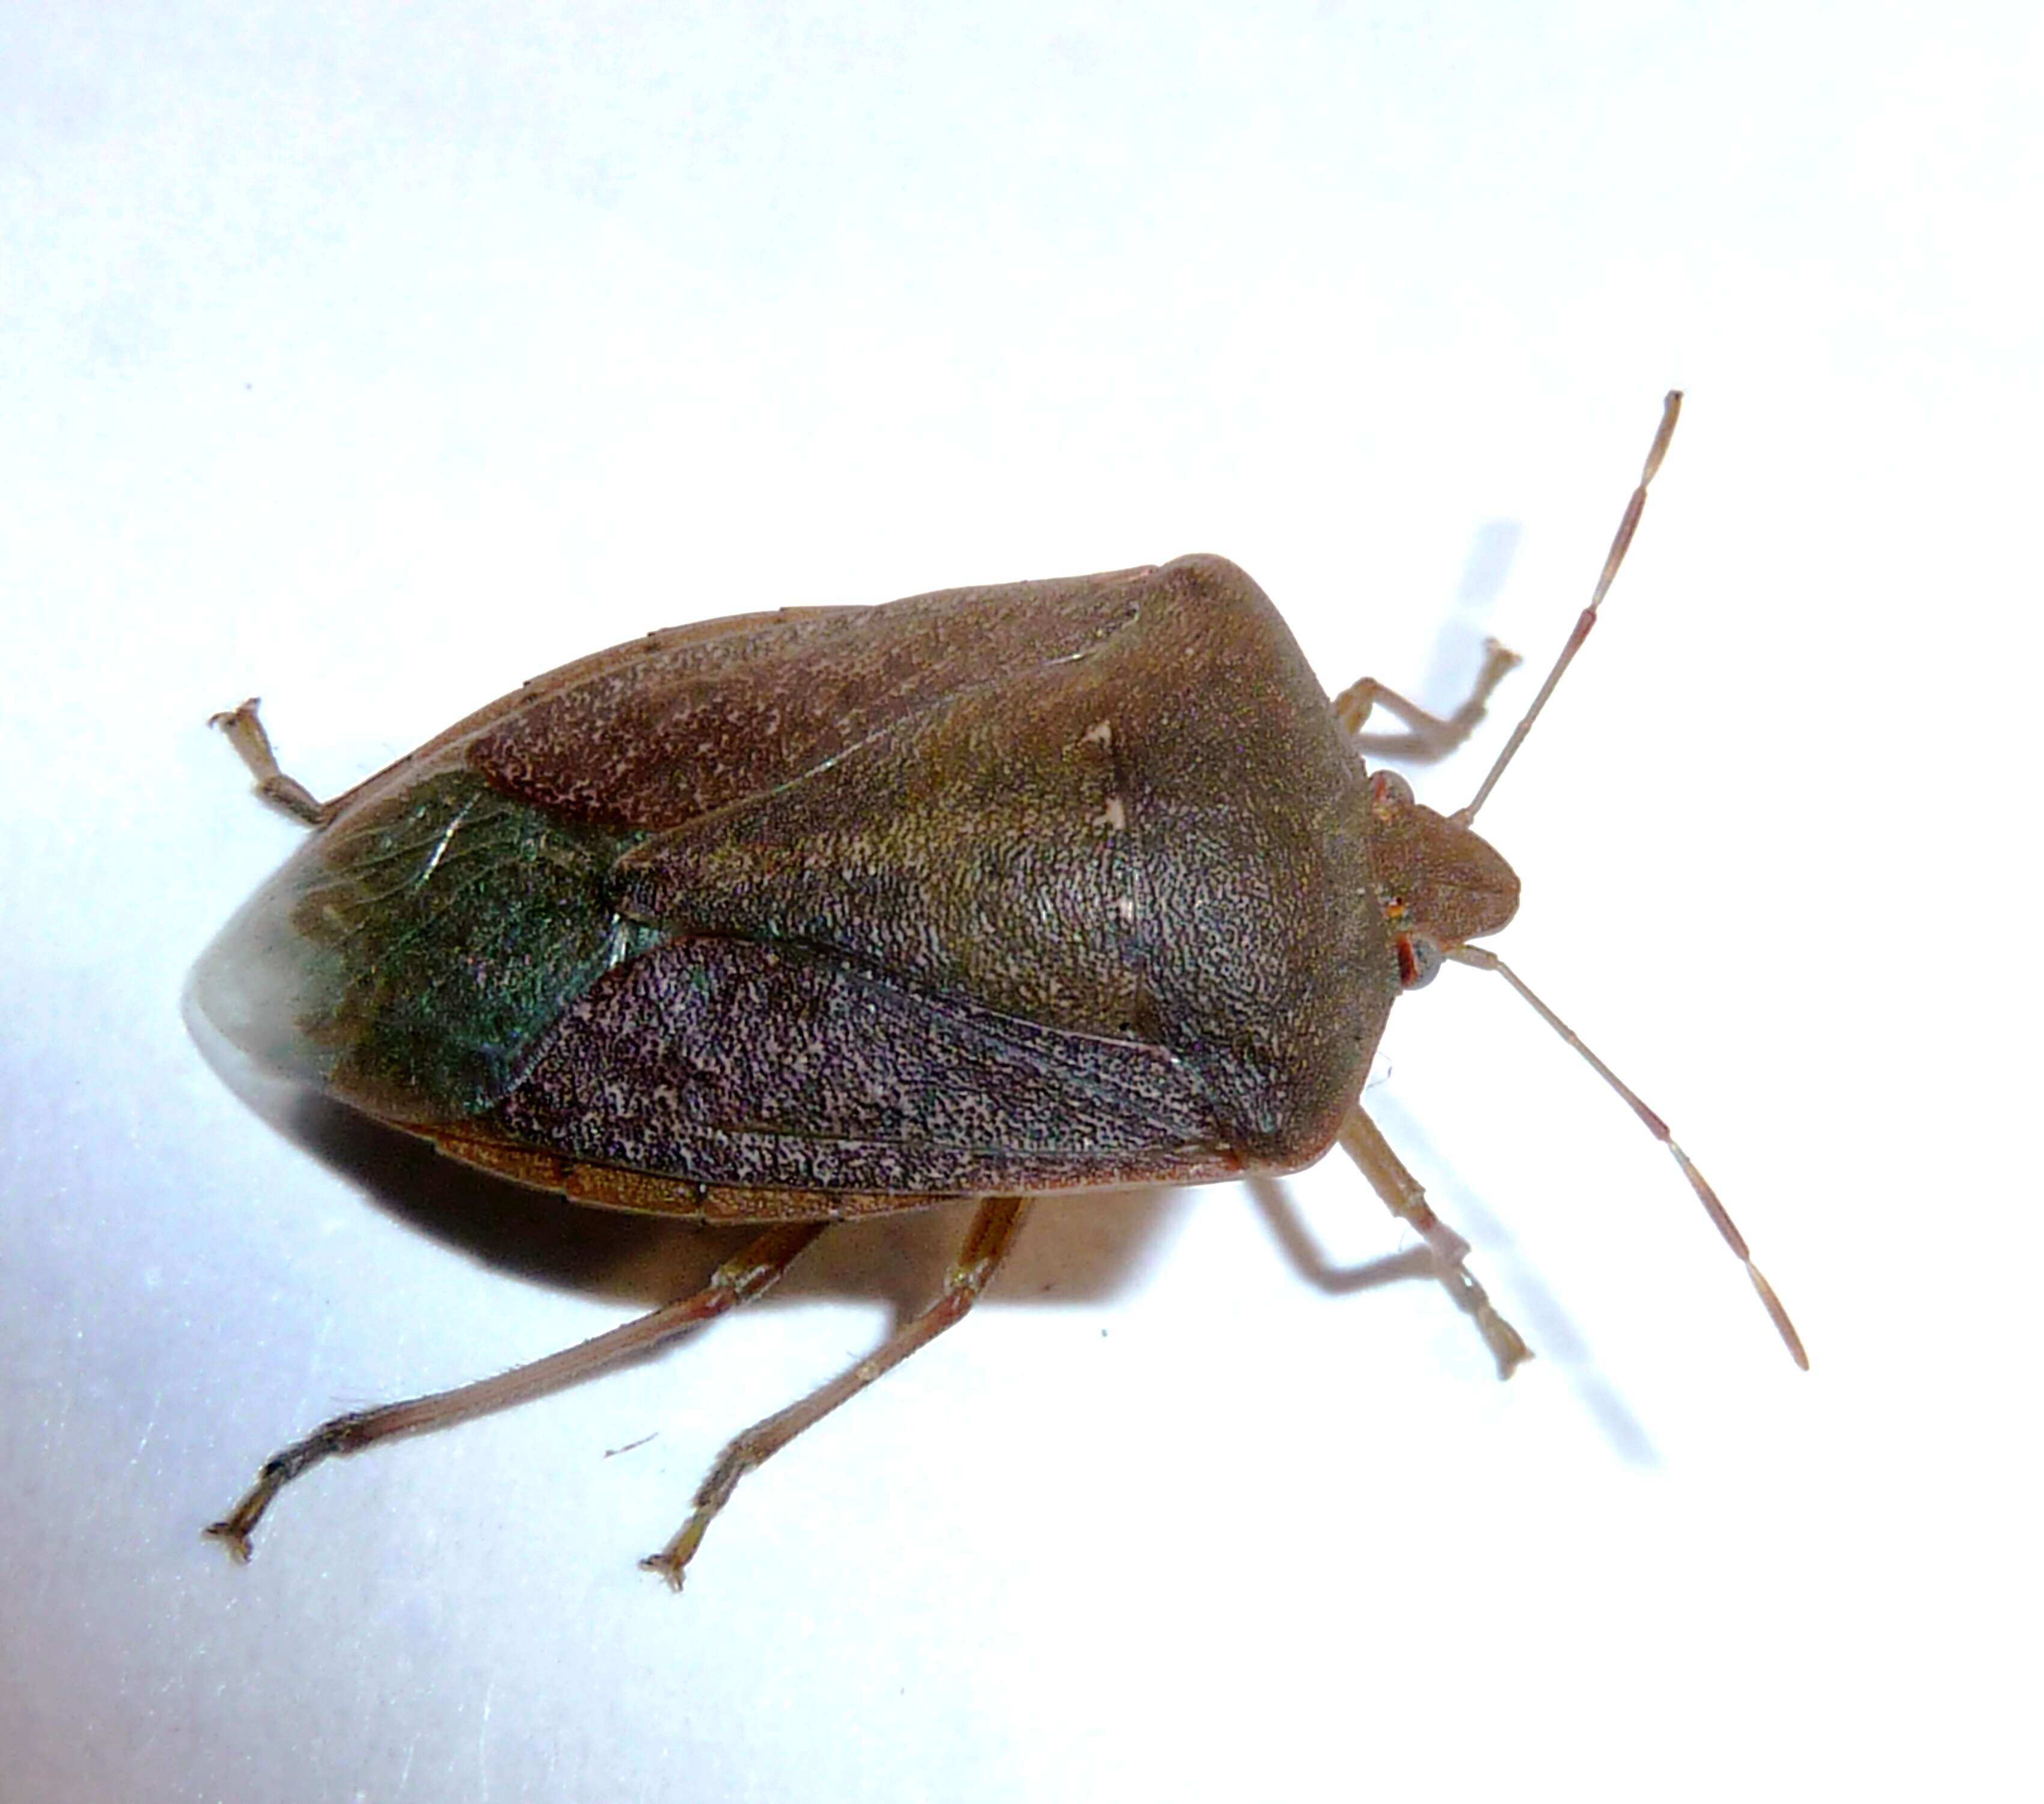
point(1388, 789)
point(1419, 961)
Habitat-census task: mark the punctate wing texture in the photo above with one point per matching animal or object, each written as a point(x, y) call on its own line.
point(734, 1062)
point(1090, 851)
point(672, 729)
point(1162, 840)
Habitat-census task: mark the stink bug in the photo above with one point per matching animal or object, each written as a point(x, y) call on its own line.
point(799, 916)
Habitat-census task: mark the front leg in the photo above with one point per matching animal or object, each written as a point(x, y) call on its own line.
point(1362, 1141)
point(1428, 737)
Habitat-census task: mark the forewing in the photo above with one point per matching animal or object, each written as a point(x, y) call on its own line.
point(728, 1062)
point(663, 731)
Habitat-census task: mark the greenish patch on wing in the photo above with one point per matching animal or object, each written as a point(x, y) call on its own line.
point(450, 926)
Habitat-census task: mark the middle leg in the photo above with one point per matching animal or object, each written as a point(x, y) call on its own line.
point(986, 1243)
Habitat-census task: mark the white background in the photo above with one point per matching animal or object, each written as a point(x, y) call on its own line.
point(378, 360)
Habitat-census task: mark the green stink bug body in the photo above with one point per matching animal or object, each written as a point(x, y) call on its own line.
point(951, 896)
point(784, 919)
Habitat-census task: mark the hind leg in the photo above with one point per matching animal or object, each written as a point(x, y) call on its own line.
point(737, 1281)
point(244, 728)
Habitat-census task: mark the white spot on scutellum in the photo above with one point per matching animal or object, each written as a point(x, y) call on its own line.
point(1113, 817)
point(1099, 734)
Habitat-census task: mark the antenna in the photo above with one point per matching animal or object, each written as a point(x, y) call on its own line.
point(1483, 960)
point(1671, 410)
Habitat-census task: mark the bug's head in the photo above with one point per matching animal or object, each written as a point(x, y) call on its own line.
point(1439, 884)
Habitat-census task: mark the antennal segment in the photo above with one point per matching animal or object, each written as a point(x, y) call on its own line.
point(1670, 411)
point(1486, 960)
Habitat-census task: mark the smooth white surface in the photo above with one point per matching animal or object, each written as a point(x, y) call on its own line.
point(377, 359)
